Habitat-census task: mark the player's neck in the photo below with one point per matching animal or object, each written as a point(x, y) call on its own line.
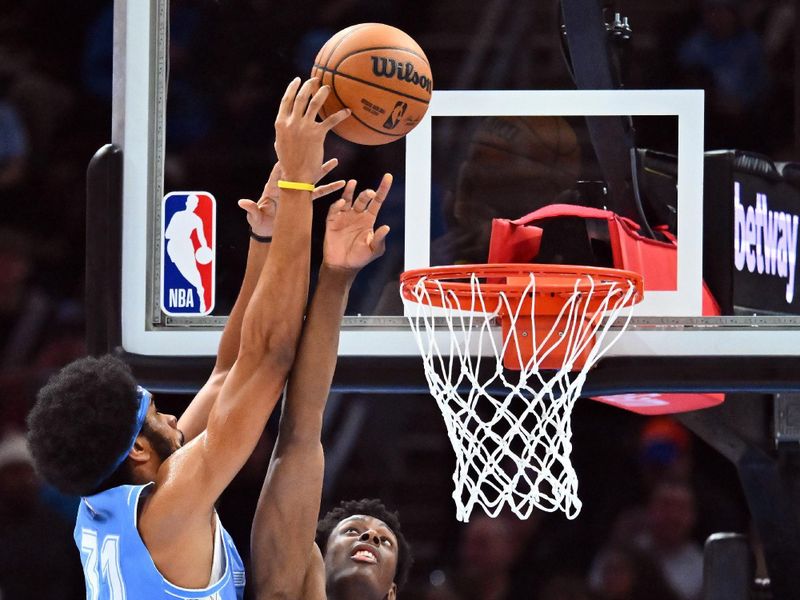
point(145, 472)
point(345, 590)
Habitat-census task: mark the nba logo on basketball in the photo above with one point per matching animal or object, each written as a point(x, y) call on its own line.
point(188, 253)
point(394, 117)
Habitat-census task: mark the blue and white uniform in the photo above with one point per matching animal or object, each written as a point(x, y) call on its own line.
point(117, 565)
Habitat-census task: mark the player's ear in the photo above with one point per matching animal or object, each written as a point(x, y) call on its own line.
point(392, 595)
point(140, 453)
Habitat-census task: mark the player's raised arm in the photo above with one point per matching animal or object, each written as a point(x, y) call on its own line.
point(190, 481)
point(285, 522)
point(261, 221)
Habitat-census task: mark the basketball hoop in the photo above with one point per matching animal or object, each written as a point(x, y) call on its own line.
point(513, 443)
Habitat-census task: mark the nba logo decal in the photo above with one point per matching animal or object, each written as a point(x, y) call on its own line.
point(188, 253)
point(393, 120)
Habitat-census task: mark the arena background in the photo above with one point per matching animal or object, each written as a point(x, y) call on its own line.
point(229, 64)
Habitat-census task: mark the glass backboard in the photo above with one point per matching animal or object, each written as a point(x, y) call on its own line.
point(671, 343)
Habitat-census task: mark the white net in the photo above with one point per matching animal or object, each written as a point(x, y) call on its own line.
point(511, 431)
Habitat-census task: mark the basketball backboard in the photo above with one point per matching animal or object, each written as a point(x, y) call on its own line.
point(672, 343)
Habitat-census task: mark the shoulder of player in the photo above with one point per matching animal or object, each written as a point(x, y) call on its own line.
point(177, 491)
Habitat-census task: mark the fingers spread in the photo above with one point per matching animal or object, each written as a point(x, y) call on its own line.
point(337, 207)
point(349, 190)
point(248, 206)
point(336, 118)
point(363, 200)
point(268, 204)
point(328, 166)
point(328, 188)
point(303, 96)
point(379, 240)
point(317, 101)
point(380, 195)
point(287, 102)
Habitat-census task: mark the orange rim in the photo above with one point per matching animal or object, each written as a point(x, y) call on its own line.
point(513, 279)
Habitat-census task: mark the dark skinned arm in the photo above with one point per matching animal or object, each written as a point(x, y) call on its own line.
point(285, 557)
point(261, 219)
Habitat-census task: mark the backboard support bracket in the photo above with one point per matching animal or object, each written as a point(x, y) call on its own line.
point(767, 481)
point(787, 419)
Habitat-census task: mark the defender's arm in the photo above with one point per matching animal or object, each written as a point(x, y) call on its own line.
point(284, 526)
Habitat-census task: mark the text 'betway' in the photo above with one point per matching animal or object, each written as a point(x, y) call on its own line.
point(765, 241)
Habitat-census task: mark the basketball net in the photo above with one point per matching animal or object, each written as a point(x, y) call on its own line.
point(511, 430)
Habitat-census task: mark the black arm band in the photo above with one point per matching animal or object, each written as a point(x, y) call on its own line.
point(264, 239)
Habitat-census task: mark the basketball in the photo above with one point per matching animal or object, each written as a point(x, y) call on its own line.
point(382, 75)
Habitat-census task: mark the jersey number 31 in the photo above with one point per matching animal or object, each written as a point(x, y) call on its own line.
point(104, 563)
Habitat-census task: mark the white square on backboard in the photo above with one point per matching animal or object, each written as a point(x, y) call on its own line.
point(687, 105)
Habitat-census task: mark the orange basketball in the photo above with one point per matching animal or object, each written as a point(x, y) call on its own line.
point(382, 75)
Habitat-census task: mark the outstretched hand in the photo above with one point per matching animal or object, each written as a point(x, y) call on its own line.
point(351, 242)
point(261, 214)
point(299, 137)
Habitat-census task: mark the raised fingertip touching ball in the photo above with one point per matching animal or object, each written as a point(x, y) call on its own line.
point(382, 75)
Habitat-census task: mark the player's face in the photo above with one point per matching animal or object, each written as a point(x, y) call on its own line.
point(361, 558)
point(163, 435)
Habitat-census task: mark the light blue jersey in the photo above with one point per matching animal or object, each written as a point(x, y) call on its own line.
point(116, 563)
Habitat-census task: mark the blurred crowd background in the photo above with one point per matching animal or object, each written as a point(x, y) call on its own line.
point(652, 492)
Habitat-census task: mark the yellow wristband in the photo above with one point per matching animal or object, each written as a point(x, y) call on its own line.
point(294, 185)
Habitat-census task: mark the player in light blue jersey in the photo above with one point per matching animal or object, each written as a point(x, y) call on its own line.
point(147, 528)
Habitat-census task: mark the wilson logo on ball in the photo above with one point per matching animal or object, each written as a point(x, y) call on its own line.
point(381, 74)
point(389, 68)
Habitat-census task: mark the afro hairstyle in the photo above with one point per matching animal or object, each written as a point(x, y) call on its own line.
point(82, 422)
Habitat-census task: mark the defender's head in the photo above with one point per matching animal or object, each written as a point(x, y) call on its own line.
point(366, 554)
point(92, 428)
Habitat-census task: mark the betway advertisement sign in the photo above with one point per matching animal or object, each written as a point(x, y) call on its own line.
point(765, 237)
